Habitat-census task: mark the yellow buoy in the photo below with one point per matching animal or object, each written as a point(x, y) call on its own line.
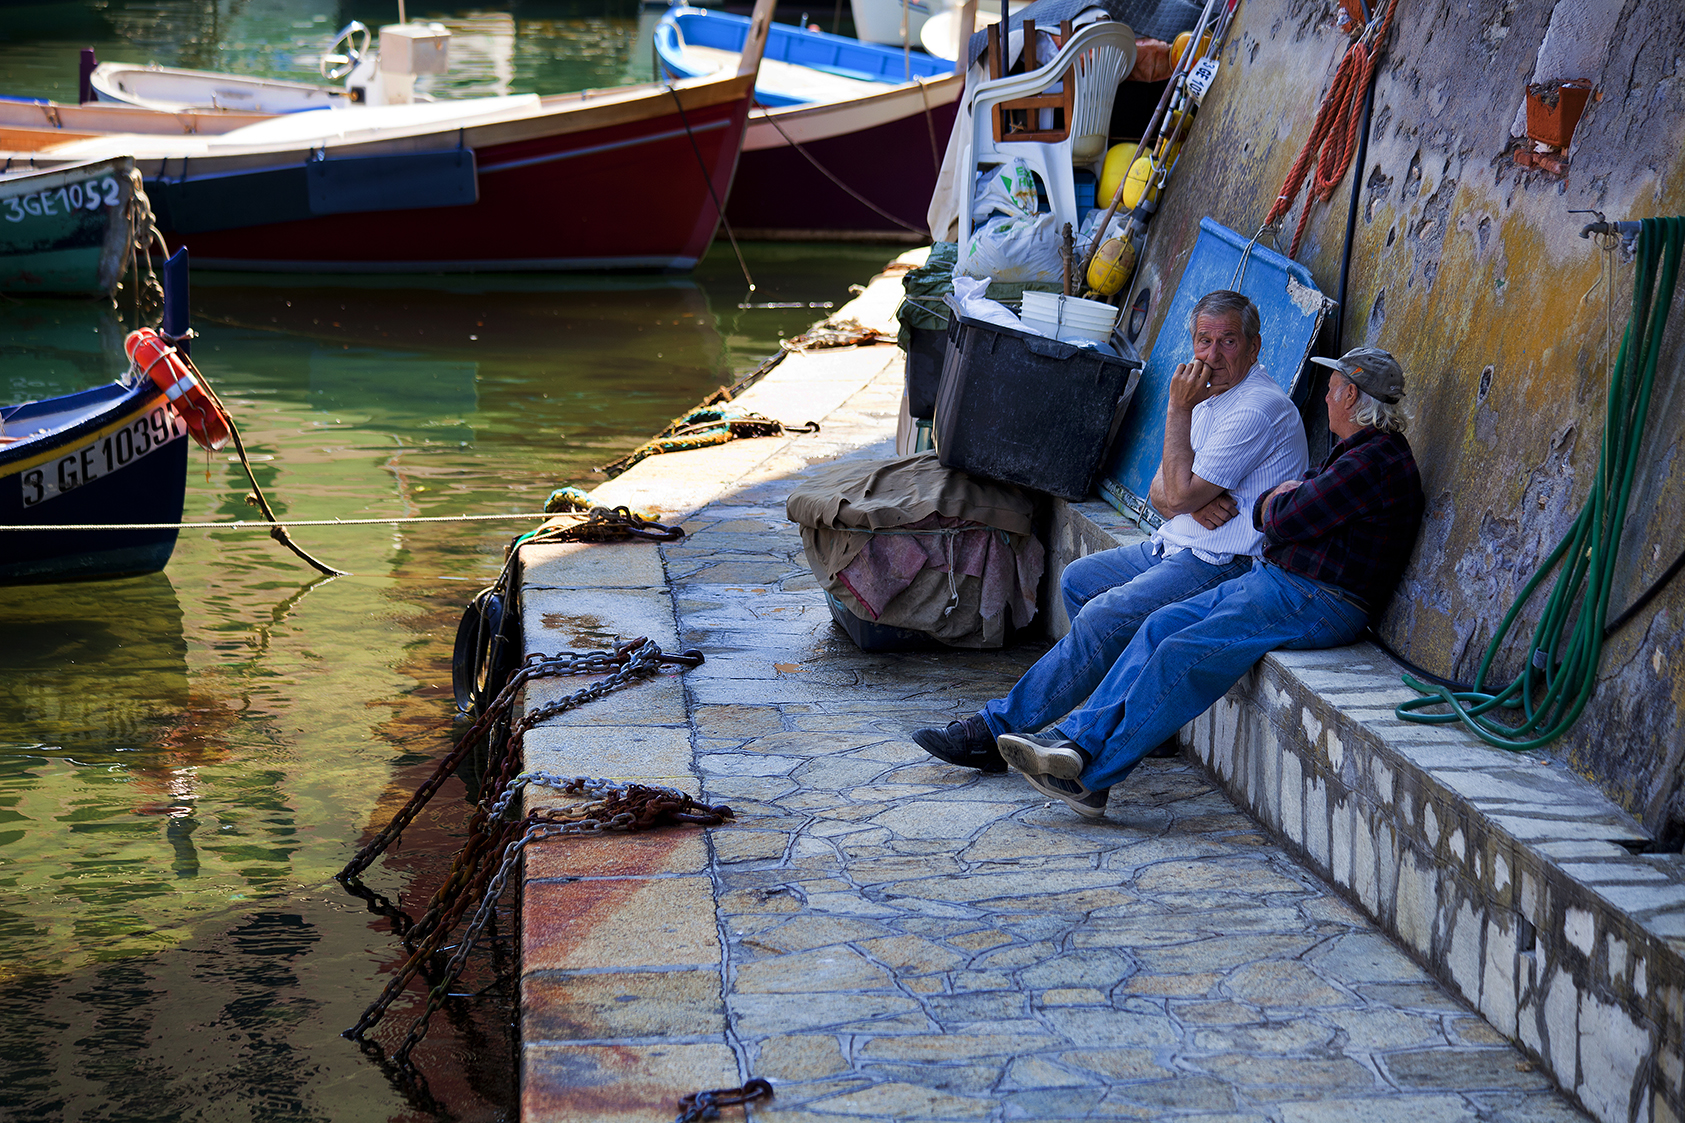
point(1180, 44)
point(1118, 159)
point(1140, 178)
point(1111, 267)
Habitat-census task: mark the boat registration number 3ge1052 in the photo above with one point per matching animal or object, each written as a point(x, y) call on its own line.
point(89, 196)
point(102, 456)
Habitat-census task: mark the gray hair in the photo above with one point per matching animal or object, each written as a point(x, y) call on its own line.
point(1223, 302)
point(1371, 411)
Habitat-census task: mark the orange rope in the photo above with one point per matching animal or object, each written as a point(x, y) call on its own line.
point(1333, 137)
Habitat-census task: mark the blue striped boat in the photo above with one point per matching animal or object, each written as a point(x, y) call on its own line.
point(113, 454)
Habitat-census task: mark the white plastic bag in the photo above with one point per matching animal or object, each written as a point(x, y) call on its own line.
point(1091, 220)
point(970, 295)
point(1016, 248)
point(1008, 188)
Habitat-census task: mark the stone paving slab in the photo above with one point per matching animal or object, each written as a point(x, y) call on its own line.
point(886, 937)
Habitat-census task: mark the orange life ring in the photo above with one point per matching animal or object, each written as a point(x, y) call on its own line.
point(163, 364)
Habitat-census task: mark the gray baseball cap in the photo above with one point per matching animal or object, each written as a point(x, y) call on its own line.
point(1371, 370)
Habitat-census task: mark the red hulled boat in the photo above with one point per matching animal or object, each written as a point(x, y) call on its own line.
point(627, 178)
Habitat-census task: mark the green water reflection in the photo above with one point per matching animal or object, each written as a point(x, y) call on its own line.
point(187, 758)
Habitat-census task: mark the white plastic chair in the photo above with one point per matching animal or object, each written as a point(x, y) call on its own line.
point(1096, 58)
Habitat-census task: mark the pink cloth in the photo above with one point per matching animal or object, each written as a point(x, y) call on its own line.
point(892, 559)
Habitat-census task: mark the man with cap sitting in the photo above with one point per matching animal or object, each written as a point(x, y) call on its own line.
point(1230, 434)
point(1336, 542)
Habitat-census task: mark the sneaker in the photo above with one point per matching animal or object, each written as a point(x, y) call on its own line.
point(1044, 754)
point(967, 743)
point(1090, 805)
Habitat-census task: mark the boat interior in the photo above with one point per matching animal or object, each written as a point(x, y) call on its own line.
point(30, 423)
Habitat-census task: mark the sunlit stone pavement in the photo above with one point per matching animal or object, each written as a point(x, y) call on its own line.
point(886, 937)
point(903, 939)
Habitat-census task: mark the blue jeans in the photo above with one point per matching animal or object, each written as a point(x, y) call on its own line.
point(1107, 596)
point(1187, 655)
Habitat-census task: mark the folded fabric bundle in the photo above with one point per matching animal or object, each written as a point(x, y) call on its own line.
point(910, 544)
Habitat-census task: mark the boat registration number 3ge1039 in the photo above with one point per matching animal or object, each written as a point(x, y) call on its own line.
point(89, 196)
point(102, 456)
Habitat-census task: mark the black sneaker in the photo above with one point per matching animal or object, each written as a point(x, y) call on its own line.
point(1090, 805)
point(1043, 754)
point(967, 743)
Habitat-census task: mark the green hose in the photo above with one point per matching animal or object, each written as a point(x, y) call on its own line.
point(1553, 689)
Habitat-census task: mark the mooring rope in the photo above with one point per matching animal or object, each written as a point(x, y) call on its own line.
point(252, 524)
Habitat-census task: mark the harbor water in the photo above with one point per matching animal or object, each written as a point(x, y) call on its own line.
point(187, 759)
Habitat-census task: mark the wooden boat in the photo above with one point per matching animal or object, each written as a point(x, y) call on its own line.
point(800, 66)
point(174, 89)
point(113, 454)
point(882, 138)
point(618, 178)
point(369, 78)
point(29, 125)
point(66, 231)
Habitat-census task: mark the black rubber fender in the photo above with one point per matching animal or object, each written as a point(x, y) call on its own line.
point(480, 659)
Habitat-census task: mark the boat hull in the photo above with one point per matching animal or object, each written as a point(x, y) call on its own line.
point(555, 192)
point(64, 231)
point(882, 147)
point(123, 463)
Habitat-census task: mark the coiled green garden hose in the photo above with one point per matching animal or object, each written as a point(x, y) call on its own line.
point(1553, 689)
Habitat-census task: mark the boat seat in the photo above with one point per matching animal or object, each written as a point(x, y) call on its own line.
point(1090, 65)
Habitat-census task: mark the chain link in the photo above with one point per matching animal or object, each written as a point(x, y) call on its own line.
point(629, 807)
point(706, 1105)
point(480, 870)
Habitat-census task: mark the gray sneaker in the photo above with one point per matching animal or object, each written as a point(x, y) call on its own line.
point(1042, 755)
point(1090, 805)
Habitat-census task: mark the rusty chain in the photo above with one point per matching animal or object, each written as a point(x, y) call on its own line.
point(624, 662)
point(475, 874)
point(706, 1105)
point(630, 807)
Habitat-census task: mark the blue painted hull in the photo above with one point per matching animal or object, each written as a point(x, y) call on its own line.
point(817, 50)
point(113, 454)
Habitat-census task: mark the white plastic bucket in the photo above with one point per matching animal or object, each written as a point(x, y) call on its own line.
point(1068, 317)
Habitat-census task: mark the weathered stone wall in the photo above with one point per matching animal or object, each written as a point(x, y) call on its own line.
point(1470, 269)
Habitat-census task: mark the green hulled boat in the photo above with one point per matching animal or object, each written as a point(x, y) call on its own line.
point(67, 230)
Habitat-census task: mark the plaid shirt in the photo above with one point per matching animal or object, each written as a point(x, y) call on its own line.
point(1353, 521)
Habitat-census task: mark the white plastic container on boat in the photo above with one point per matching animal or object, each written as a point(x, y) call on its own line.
point(1068, 317)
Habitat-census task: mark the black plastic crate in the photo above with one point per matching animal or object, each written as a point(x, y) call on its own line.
point(924, 369)
point(1024, 409)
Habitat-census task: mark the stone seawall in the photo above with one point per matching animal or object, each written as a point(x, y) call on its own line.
point(1469, 267)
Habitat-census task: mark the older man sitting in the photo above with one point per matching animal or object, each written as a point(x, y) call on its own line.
point(1336, 542)
point(1230, 434)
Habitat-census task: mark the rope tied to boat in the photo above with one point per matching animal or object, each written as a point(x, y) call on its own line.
point(766, 115)
point(1333, 137)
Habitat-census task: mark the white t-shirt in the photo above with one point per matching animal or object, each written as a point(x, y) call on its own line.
point(1246, 440)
